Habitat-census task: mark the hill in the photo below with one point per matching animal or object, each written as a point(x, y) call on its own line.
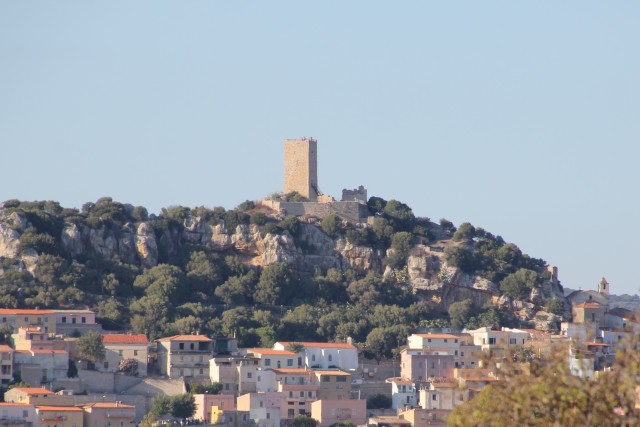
point(259, 274)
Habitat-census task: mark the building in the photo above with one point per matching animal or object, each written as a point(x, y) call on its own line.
point(6, 364)
point(324, 355)
point(41, 366)
point(32, 338)
point(298, 388)
point(329, 412)
point(237, 374)
point(17, 415)
point(589, 312)
point(17, 318)
point(439, 341)
point(59, 416)
point(263, 408)
point(124, 346)
point(444, 395)
point(403, 393)
point(108, 414)
point(301, 167)
point(28, 395)
point(70, 322)
point(205, 403)
point(185, 356)
point(269, 358)
point(334, 384)
point(497, 342)
point(419, 417)
point(421, 364)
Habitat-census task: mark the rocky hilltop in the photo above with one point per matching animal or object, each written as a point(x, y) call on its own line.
point(431, 262)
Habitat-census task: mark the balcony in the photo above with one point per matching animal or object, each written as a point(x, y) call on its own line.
point(9, 421)
point(52, 417)
point(121, 414)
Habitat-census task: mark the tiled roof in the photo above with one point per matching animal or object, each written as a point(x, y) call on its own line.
point(591, 304)
point(336, 372)
point(19, 311)
point(42, 351)
point(400, 381)
point(124, 339)
point(5, 348)
point(13, 404)
point(270, 351)
point(59, 408)
point(187, 338)
point(292, 371)
point(320, 344)
point(33, 390)
point(106, 405)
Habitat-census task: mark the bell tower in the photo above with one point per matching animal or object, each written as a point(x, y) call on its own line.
point(603, 286)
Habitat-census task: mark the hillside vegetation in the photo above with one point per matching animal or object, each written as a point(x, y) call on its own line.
point(258, 275)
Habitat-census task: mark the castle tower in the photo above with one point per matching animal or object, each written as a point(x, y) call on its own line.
point(603, 286)
point(301, 167)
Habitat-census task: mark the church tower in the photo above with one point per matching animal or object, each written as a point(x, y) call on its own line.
point(301, 167)
point(603, 286)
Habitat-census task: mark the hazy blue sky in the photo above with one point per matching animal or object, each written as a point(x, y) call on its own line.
point(520, 117)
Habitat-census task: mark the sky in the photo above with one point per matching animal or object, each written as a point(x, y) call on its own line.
point(520, 117)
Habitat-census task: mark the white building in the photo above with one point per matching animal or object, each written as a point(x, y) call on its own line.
point(403, 393)
point(325, 355)
point(124, 346)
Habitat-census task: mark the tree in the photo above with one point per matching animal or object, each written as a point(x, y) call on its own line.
point(381, 342)
point(519, 284)
point(91, 348)
point(295, 347)
point(552, 396)
point(200, 388)
point(275, 285)
point(466, 231)
point(460, 312)
point(462, 257)
point(304, 421)
point(331, 225)
point(160, 406)
point(401, 244)
point(183, 406)
point(379, 401)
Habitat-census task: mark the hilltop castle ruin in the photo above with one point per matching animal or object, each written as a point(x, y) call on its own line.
point(301, 176)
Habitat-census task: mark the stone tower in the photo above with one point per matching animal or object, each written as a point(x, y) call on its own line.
point(603, 286)
point(301, 167)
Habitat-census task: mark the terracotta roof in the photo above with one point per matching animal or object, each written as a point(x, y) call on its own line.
point(187, 338)
point(13, 404)
point(59, 408)
point(271, 351)
point(320, 344)
point(443, 385)
point(33, 390)
point(438, 336)
point(23, 311)
point(107, 405)
point(124, 339)
point(336, 372)
point(599, 344)
point(5, 348)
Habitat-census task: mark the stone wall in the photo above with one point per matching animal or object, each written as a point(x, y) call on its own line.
point(301, 167)
point(351, 211)
point(357, 195)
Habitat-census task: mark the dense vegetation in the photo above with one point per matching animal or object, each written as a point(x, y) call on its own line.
point(197, 289)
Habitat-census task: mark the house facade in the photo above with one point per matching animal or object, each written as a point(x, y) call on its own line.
point(119, 347)
point(185, 356)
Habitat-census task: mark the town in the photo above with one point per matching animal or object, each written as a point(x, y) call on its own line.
point(268, 387)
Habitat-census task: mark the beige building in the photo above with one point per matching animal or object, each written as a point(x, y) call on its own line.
point(301, 167)
point(185, 356)
point(237, 374)
point(419, 417)
point(41, 366)
point(32, 338)
point(263, 408)
point(17, 318)
point(76, 321)
point(59, 416)
point(6, 364)
point(124, 346)
point(276, 359)
point(206, 402)
point(334, 384)
point(108, 414)
point(17, 415)
point(328, 412)
point(37, 396)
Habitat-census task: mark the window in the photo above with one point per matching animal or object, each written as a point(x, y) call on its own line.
point(310, 394)
point(135, 352)
point(330, 358)
point(456, 352)
point(434, 397)
point(201, 371)
point(455, 341)
point(226, 387)
point(301, 411)
point(25, 414)
point(249, 375)
point(73, 320)
point(291, 413)
point(181, 346)
point(4, 320)
point(445, 340)
point(462, 353)
point(326, 379)
point(289, 362)
point(84, 319)
point(512, 340)
point(341, 379)
point(429, 340)
point(106, 365)
point(290, 394)
point(313, 357)
point(192, 346)
point(120, 352)
point(267, 362)
point(492, 340)
point(302, 394)
point(268, 414)
point(26, 319)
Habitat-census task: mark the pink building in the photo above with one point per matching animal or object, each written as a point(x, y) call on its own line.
point(421, 364)
point(204, 402)
point(17, 414)
point(328, 412)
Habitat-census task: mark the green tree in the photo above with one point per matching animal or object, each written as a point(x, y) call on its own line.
point(379, 401)
point(460, 312)
point(401, 244)
point(295, 347)
point(519, 284)
point(466, 231)
point(200, 388)
point(183, 406)
point(304, 421)
point(160, 406)
point(463, 258)
point(275, 286)
point(90, 347)
point(331, 225)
